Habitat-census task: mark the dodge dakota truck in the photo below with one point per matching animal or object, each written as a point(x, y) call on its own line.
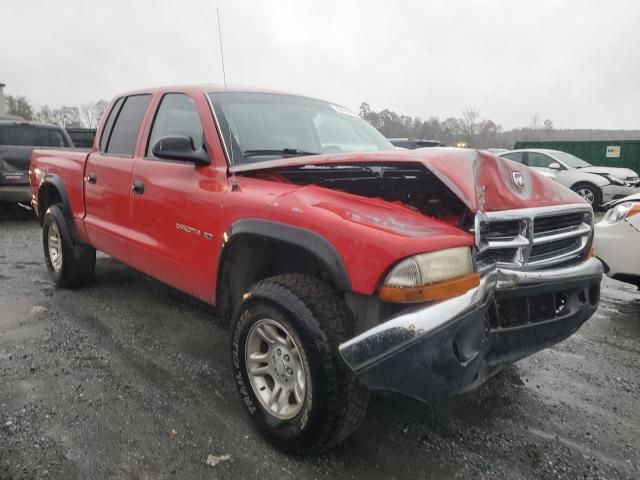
point(343, 264)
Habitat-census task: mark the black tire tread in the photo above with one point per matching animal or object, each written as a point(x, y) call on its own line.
point(346, 396)
point(79, 260)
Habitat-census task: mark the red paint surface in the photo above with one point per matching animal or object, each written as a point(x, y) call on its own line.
point(370, 234)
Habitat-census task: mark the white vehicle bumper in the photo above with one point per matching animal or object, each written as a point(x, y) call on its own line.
point(613, 192)
point(618, 246)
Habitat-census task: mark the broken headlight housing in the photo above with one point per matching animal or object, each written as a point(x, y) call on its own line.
point(621, 212)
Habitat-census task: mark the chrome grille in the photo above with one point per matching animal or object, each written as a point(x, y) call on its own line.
point(534, 237)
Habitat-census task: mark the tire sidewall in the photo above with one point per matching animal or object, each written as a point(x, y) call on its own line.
point(54, 215)
point(294, 434)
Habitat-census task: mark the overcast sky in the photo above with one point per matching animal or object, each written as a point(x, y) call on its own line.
point(576, 62)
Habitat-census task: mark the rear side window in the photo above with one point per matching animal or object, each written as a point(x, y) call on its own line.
point(124, 134)
point(516, 156)
point(539, 160)
point(30, 136)
point(109, 124)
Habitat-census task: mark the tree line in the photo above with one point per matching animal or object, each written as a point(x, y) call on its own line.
point(469, 130)
point(87, 115)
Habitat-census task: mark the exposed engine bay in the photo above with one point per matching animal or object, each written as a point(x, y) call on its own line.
point(409, 183)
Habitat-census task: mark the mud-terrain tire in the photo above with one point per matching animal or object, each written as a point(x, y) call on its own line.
point(71, 264)
point(589, 192)
point(310, 314)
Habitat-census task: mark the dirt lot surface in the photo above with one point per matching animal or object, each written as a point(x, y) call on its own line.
point(130, 379)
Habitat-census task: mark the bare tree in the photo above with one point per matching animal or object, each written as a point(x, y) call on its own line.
point(66, 117)
point(470, 123)
point(20, 106)
point(534, 126)
point(92, 112)
point(548, 127)
point(100, 107)
point(87, 112)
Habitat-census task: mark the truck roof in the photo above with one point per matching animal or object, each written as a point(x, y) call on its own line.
point(212, 88)
point(20, 122)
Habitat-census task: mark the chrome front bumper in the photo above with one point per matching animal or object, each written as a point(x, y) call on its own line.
point(415, 342)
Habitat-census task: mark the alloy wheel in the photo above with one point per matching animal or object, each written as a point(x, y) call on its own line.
point(55, 246)
point(275, 368)
point(587, 194)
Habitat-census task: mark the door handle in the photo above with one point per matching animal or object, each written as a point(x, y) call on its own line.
point(92, 178)
point(137, 187)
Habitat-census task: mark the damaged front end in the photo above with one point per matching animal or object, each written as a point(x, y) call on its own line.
point(432, 351)
point(538, 285)
point(536, 281)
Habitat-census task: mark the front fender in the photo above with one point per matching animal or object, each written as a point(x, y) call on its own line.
point(584, 177)
point(310, 241)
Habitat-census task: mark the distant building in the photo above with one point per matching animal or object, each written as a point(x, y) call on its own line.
point(2, 105)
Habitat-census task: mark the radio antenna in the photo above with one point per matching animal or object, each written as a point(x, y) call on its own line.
point(234, 185)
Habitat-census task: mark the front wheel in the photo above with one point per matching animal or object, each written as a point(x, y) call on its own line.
point(589, 192)
point(297, 390)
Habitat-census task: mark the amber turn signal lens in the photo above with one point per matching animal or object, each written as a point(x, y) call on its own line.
point(635, 209)
point(430, 293)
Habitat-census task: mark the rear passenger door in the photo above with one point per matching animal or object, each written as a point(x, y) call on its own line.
point(108, 177)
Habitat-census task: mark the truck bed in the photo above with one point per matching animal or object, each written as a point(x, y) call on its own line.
point(68, 165)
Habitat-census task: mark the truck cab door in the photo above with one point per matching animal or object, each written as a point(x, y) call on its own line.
point(107, 177)
point(176, 205)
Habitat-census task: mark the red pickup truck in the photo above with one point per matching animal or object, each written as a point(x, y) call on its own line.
point(345, 265)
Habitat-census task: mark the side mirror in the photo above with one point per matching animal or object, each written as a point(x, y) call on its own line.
point(555, 166)
point(180, 147)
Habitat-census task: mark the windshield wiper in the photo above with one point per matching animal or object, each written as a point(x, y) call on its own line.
point(285, 152)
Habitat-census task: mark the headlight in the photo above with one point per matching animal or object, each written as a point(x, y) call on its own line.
point(430, 276)
point(612, 179)
point(621, 212)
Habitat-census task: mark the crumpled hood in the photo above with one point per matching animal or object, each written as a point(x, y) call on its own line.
point(487, 182)
point(483, 181)
point(623, 173)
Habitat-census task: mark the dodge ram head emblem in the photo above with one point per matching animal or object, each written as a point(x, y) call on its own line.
point(518, 180)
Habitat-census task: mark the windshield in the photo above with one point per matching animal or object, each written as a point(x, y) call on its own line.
point(571, 160)
point(265, 126)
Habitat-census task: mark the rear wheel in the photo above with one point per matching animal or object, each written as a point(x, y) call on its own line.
point(589, 192)
point(297, 390)
point(71, 264)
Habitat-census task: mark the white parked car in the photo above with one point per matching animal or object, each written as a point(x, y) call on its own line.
point(617, 240)
point(597, 185)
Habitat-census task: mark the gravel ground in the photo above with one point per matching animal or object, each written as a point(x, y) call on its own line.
point(131, 379)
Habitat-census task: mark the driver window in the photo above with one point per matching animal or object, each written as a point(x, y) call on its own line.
point(540, 160)
point(176, 115)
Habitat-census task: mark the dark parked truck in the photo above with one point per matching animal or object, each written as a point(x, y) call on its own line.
point(345, 265)
point(82, 137)
point(18, 139)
